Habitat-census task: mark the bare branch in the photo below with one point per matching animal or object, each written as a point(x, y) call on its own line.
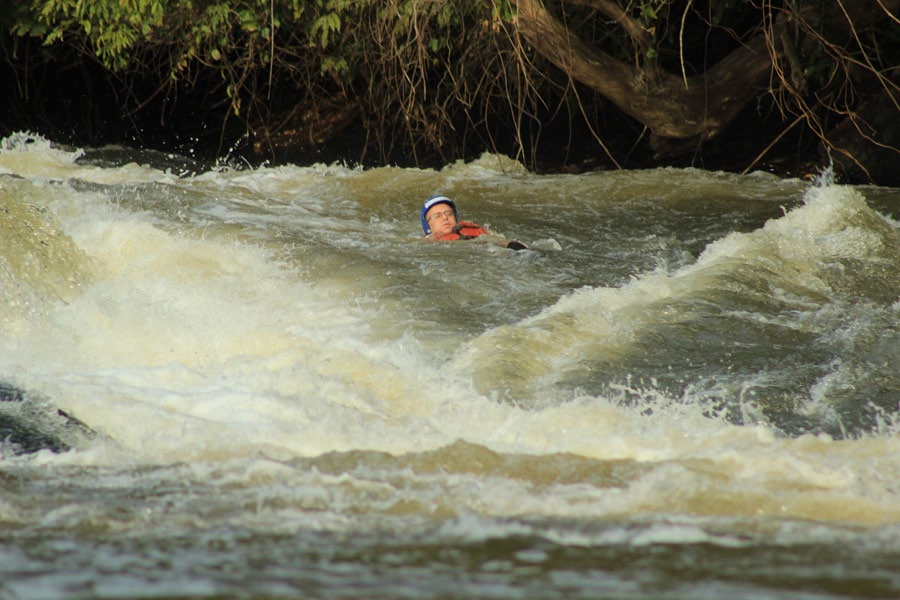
point(889, 13)
point(657, 99)
point(632, 27)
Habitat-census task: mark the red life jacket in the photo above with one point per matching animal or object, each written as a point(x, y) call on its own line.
point(464, 230)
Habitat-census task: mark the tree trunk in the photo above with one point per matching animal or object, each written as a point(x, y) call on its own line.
point(695, 108)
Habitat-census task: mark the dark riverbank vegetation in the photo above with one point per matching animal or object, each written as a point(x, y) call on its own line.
point(561, 85)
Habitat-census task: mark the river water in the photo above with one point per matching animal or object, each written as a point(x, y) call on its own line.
point(687, 388)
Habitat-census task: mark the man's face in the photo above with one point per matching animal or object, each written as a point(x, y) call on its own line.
point(440, 219)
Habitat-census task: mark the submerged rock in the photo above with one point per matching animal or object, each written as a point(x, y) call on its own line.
point(29, 423)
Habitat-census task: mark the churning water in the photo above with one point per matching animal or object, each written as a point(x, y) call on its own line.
point(264, 383)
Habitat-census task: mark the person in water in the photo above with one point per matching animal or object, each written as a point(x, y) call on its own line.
point(440, 222)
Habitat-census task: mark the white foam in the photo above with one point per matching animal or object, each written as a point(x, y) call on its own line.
point(188, 347)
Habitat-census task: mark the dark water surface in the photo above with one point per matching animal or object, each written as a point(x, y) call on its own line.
point(265, 383)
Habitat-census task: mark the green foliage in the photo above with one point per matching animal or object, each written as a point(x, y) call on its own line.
point(417, 66)
point(254, 57)
point(130, 34)
point(327, 22)
point(650, 14)
point(501, 10)
point(111, 26)
point(649, 11)
point(335, 64)
point(120, 33)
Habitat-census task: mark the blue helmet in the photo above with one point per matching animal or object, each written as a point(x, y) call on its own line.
point(433, 201)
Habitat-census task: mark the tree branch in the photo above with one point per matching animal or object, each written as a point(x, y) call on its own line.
point(632, 27)
point(659, 100)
